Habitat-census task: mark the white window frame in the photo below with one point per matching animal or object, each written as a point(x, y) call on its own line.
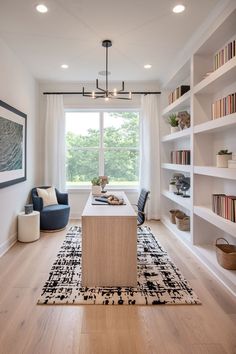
point(101, 149)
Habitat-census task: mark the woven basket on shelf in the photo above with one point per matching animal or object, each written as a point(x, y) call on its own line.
point(226, 254)
point(173, 213)
point(182, 221)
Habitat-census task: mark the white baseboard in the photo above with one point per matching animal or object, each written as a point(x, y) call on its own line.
point(5, 246)
point(75, 216)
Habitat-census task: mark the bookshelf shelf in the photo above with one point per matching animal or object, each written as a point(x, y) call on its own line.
point(207, 214)
point(184, 202)
point(204, 139)
point(216, 125)
point(228, 173)
point(184, 236)
point(207, 254)
point(180, 104)
point(178, 135)
point(225, 75)
point(175, 167)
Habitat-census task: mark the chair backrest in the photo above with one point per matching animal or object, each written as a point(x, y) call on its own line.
point(141, 205)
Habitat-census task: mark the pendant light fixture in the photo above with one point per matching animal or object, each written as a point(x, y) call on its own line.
point(106, 93)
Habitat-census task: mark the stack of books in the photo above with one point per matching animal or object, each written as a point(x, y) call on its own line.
point(225, 54)
point(232, 163)
point(224, 106)
point(178, 92)
point(181, 157)
point(224, 206)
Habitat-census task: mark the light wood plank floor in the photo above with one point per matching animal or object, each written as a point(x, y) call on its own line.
point(186, 329)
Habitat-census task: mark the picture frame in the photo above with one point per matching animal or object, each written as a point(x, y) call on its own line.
point(13, 144)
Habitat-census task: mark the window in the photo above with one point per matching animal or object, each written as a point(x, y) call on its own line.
point(102, 143)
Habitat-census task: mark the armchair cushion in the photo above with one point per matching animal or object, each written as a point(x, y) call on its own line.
point(48, 195)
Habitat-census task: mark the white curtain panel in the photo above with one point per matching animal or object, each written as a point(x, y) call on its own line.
point(55, 142)
point(150, 153)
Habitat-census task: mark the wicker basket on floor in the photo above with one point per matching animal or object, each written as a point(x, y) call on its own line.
point(182, 221)
point(226, 254)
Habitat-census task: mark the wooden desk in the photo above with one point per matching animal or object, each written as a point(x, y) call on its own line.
point(109, 244)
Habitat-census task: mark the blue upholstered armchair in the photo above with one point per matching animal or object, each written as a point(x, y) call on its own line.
point(52, 217)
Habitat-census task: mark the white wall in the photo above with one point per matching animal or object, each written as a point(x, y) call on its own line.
point(78, 198)
point(18, 89)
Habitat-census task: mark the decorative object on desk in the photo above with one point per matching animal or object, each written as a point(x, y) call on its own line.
point(103, 182)
point(12, 145)
point(28, 208)
point(114, 200)
point(159, 280)
point(172, 120)
point(183, 120)
point(226, 254)
point(222, 158)
point(96, 186)
point(185, 185)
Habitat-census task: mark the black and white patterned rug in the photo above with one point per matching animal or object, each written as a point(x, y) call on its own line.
point(159, 280)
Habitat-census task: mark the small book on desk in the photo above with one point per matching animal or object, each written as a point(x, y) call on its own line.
point(99, 201)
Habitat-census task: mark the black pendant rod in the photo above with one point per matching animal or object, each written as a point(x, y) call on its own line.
point(121, 93)
point(107, 91)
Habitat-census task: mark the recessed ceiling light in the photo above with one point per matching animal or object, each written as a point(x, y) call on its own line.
point(178, 9)
point(42, 8)
point(147, 66)
point(64, 66)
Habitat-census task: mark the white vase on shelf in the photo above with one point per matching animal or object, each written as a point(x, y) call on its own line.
point(222, 160)
point(174, 129)
point(172, 188)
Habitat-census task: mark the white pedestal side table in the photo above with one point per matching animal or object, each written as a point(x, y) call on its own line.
point(28, 226)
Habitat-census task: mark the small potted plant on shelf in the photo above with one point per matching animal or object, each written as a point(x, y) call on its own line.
point(222, 158)
point(96, 186)
point(174, 123)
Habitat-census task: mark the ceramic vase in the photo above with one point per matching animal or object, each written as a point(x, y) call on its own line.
point(222, 160)
point(172, 188)
point(174, 129)
point(96, 190)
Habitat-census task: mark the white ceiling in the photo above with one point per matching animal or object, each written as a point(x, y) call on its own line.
point(142, 31)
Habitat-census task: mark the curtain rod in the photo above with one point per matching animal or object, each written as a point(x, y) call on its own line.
point(121, 93)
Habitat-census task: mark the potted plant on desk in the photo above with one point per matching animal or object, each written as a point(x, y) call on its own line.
point(96, 186)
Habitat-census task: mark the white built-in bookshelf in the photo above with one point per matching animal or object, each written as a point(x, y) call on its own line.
point(204, 139)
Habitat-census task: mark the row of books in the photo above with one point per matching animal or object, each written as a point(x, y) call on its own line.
point(178, 92)
point(181, 157)
point(224, 106)
point(225, 54)
point(224, 206)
